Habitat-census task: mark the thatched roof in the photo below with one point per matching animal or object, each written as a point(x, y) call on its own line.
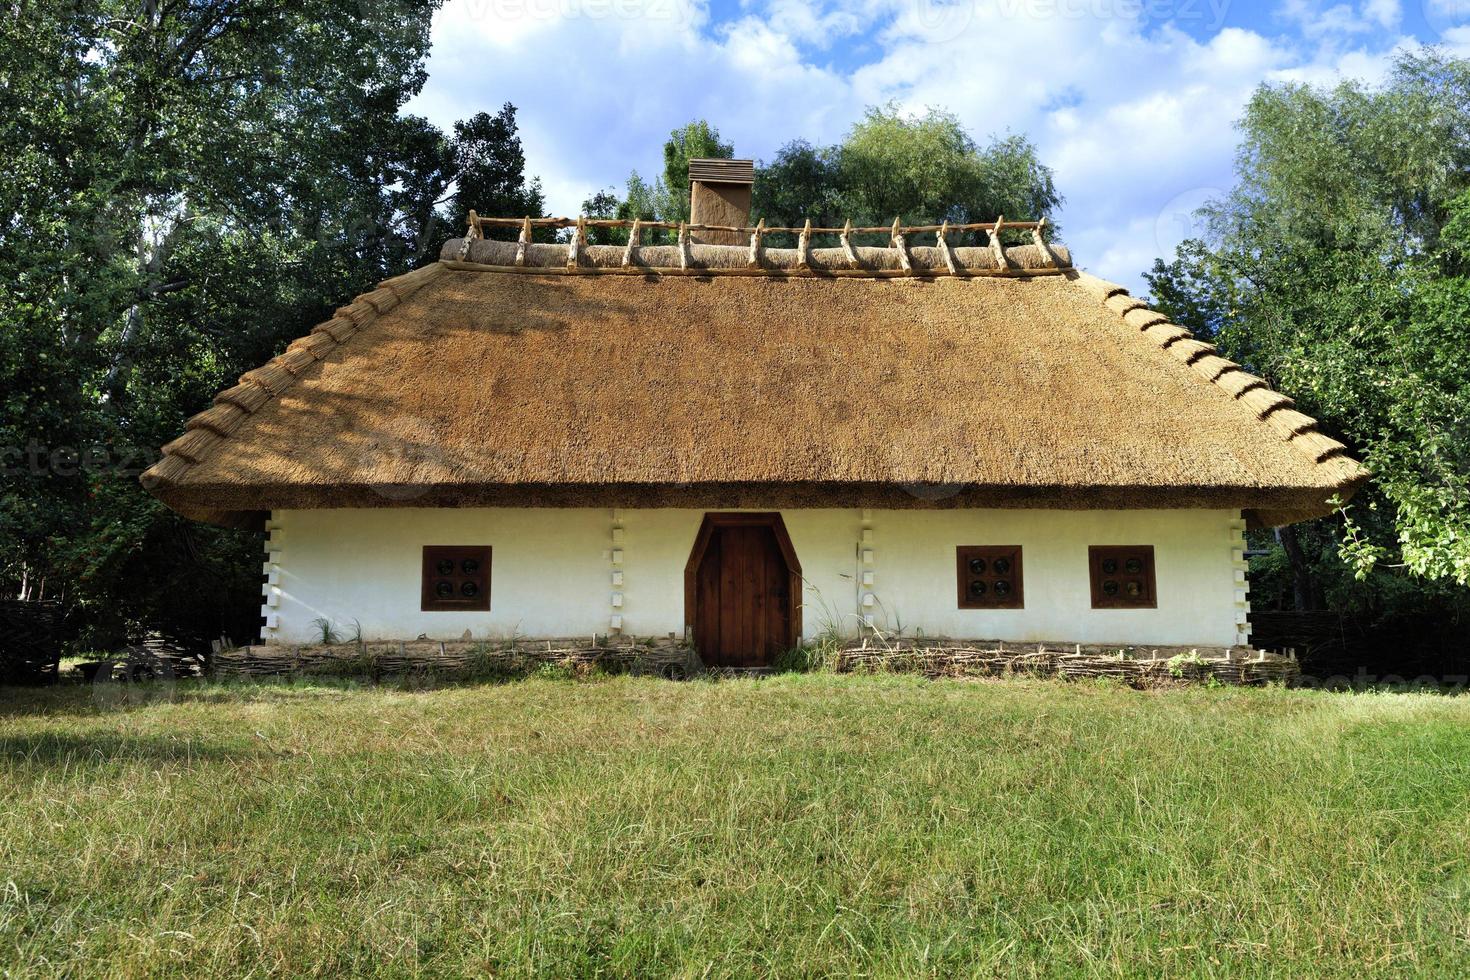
point(513, 380)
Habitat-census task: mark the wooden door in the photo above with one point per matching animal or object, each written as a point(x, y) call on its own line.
point(744, 591)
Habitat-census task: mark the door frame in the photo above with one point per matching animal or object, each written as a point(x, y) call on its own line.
point(719, 519)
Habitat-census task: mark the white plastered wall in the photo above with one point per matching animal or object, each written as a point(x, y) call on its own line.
point(576, 572)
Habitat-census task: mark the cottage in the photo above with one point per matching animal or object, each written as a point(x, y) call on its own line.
point(748, 446)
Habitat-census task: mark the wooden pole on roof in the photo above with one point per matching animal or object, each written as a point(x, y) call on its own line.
point(945, 250)
point(471, 233)
point(683, 245)
point(852, 259)
point(1041, 245)
point(523, 243)
point(996, 248)
point(756, 247)
point(632, 249)
point(579, 239)
point(903, 247)
point(804, 246)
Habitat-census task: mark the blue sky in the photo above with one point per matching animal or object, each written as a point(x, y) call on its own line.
point(1132, 102)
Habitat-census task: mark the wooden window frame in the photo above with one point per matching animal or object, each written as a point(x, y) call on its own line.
point(429, 600)
point(1098, 553)
point(1015, 599)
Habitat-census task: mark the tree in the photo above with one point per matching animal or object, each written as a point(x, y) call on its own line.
point(188, 186)
point(603, 204)
point(693, 141)
point(639, 201)
point(491, 169)
point(667, 198)
point(802, 182)
point(926, 169)
point(1337, 269)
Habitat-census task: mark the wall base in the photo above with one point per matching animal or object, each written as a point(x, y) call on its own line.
point(1138, 667)
point(676, 660)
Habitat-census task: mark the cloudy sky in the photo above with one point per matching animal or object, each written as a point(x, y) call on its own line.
point(1132, 102)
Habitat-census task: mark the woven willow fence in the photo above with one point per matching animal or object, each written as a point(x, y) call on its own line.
point(461, 658)
point(30, 642)
point(675, 660)
point(1139, 668)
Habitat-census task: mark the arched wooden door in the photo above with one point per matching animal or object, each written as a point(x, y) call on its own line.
point(742, 590)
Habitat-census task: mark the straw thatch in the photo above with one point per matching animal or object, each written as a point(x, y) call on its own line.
point(1032, 386)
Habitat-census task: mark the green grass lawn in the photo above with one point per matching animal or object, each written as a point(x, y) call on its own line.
point(804, 824)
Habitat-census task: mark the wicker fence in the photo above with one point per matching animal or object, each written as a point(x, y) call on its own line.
point(30, 642)
point(459, 659)
point(1138, 668)
point(931, 658)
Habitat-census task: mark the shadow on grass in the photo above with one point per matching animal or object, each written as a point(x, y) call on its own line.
point(52, 750)
point(81, 700)
point(76, 699)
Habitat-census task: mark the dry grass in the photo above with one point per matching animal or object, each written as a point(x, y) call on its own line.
point(735, 392)
point(797, 825)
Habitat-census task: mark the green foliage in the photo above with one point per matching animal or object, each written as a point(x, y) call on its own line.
point(555, 672)
point(693, 141)
point(923, 169)
point(325, 629)
point(491, 170)
point(604, 204)
point(1337, 270)
point(1183, 664)
point(926, 169)
point(823, 653)
point(667, 198)
point(802, 182)
point(187, 187)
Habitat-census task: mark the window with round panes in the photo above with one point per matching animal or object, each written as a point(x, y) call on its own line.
point(990, 576)
point(456, 577)
point(1122, 576)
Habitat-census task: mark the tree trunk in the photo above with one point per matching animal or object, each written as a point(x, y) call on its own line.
point(1301, 574)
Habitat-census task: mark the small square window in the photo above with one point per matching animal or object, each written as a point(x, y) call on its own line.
point(1122, 576)
point(990, 576)
point(456, 577)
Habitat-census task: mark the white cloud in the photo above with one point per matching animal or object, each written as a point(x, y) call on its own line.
point(813, 23)
point(1135, 114)
point(1386, 13)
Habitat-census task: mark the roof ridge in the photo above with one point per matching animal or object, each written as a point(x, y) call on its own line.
point(205, 431)
point(898, 259)
point(1269, 407)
